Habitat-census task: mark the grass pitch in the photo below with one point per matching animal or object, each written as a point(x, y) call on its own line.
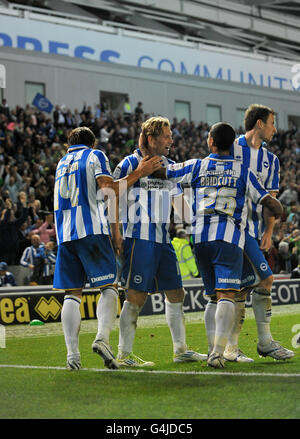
point(34, 383)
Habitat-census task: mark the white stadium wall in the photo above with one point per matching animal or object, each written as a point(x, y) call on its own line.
point(76, 64)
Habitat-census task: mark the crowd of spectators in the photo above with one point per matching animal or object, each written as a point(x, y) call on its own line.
point(32, 142)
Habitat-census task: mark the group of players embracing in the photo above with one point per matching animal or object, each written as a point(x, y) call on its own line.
point(232, 207)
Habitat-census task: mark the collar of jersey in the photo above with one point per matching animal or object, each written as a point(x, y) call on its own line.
point(76, 147)
point(243, 142)
point(220, 157)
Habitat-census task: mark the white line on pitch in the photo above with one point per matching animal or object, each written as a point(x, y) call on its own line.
point(171, 372)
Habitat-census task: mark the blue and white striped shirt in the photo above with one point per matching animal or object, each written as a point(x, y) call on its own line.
point(220, 188)
point(145, 213)
point(79, 206)
point(30, 254)
point(266, 167)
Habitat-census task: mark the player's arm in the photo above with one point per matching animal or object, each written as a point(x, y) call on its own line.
point(117, 239)
point(184, 172)
point(259, 194)
point(274, 205)
point(266, 240)
point(146, 167)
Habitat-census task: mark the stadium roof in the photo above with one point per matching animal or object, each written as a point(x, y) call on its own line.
point(269, 27)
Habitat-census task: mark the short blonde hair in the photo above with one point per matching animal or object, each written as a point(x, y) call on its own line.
point(154, 126)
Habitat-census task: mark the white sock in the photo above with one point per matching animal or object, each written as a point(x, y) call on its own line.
point(262, 308)
point(71, 319)
point(210, 323)
point(239, 317)
point(175, 320)
point(128, 322)
point(224, 320)
point(107, 309)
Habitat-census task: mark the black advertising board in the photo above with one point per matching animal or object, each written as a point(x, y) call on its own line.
point(21, 305)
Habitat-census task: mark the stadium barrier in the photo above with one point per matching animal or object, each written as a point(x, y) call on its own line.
point(19, 305)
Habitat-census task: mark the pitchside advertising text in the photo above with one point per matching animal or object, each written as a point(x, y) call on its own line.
point(44, 304)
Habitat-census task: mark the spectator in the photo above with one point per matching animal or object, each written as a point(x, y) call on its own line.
point(49, 264)
point(184, 254)
point(294, 246)
point(293, 214)
point(47, 230)
point(296, 273)
point(127, 109)
point(7, 279)
point(12, 183)
point(9, 226)
point(138, 111)
point(289, 195)
point(33, 258)
point(284, 257)
point(4, 108)
point(105, 135)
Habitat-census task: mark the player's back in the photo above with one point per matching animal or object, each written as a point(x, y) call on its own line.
point(220, 207)
point(220, 186)
point(78, 207)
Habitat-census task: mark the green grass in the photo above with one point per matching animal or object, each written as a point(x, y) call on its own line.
point(32, 393)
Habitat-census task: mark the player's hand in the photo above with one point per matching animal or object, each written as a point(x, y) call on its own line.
point(266, 243)
point(149, 165)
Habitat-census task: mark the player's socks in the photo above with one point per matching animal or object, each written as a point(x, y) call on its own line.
point(224, 320)
point(210, 323)
point(239, 318)
point(175, 320)
point(262, 308)
point(106, 312)
point(71, 319)
point(128, 322)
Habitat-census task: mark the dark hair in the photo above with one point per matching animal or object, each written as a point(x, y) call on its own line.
point(81, 136)
point(254, 113)
point(223, 135)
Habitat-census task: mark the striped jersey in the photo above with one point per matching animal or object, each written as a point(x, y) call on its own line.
point(145, 213)
point(220, 188)
point(79, 207)
point(30, 255)
point(265, 166)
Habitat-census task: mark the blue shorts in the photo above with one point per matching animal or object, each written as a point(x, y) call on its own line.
point(150, 266)
point(255, 267)
point(89, 259)
point(220, 264)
